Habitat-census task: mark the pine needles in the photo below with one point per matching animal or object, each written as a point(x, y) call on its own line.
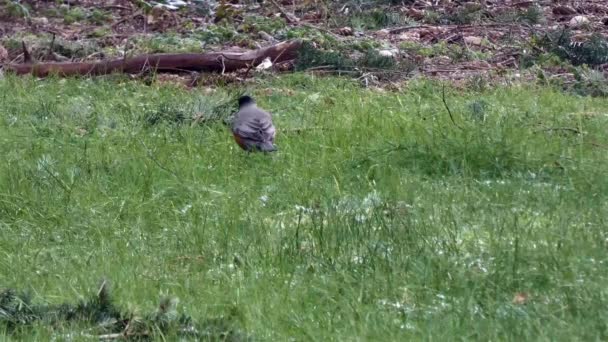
point(592, 52)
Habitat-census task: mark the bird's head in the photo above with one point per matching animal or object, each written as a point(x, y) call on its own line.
point(245, 100)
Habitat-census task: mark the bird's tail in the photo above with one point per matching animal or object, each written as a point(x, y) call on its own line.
point(267, 147)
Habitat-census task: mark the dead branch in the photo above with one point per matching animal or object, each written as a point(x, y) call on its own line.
point(447, 107)
point(398, 30)
point(557, 129)
point(288, 16)
point(303, 130)
point(27, 58)
point(210, 62)
point(51, 47)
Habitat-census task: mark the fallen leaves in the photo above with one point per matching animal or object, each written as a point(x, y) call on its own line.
point(416, 14)
point(266, 64)
point(3, 54)
point(472, 40)
point(345, 31)
point(161, 18)
point(521, 298)
point(429, 25)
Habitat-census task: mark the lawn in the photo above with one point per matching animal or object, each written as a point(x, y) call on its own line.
point(379, 218)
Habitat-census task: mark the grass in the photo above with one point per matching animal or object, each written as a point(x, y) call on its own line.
point(378, 219)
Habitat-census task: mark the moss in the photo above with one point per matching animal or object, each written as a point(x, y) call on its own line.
point(215, 34)
point(99, 17)
point(255, 24)
point(74, 15)
point(15, 9)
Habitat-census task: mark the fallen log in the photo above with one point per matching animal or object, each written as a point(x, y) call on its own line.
point(212, 61)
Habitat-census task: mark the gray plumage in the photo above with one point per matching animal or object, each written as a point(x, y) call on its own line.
point(252, 127)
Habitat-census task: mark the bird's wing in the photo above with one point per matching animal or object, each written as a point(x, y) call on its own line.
point(256, 129)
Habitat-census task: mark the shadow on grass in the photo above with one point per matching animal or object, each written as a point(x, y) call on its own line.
point(104, 320)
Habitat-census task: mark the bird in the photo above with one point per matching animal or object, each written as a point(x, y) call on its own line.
point(252, 127)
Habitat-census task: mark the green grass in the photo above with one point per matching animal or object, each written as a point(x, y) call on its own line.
point(378, 219)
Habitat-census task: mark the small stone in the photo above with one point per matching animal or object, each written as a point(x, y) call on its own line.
point(578, 21)
point(472, 40)
point(266, 36)
point(386, 53)
point(40, 21)
point(382, 33)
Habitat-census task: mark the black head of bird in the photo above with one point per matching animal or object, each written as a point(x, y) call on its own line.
point(245, 100)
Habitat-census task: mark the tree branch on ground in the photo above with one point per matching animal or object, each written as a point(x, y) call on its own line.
point(211, 62)
point(445, 103)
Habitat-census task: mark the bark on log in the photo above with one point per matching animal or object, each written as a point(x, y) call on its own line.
point(212, 61)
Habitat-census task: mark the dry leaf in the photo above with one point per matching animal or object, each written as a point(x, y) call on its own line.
point(409, 36)
point(150, 20)
point(521, 298)
point(288, 91)
point(40, 21)
point(415, 14)
point(3, 54)
point(472, 40)
point(382, 33)
point(197, 119)
point(345, 31)
point(430, 32)
point(81, 131)
point(266, 64)
point(313, 16)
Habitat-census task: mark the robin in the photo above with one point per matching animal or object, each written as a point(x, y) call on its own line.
point(252, 127)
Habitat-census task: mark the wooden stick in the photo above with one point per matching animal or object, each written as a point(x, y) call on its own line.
point(212, 61)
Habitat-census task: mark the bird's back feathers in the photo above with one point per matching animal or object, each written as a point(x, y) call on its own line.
point(253, 127)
